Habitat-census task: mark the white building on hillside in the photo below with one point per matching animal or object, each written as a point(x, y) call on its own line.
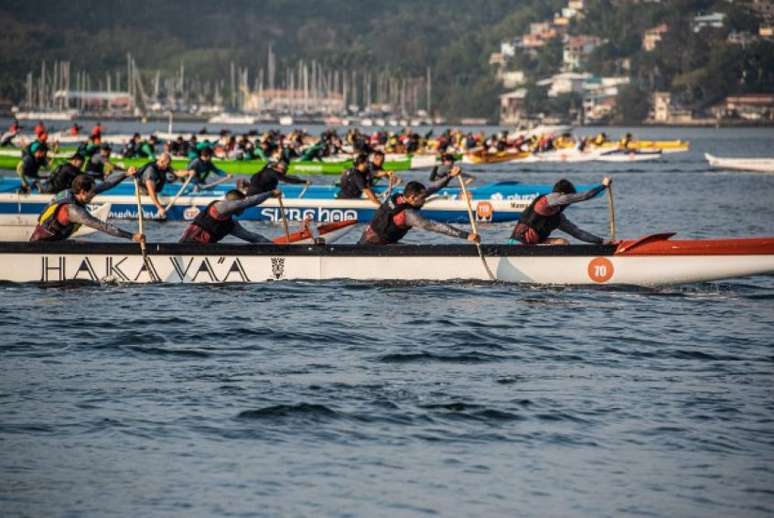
point(712, 20)
point(565, 83)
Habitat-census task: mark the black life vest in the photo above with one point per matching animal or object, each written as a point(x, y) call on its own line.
point(161, 176)
point(383, 223)
point(48, 218)
point(543, 225)
point(96, 169)
point(349, 190)
point(62, 178)
point(216, 228)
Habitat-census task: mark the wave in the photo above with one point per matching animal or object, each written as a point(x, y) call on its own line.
point(468, 357)
point(303, 410)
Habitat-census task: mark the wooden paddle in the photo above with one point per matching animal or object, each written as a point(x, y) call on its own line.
point(303, 191)
point(148, 264)
point(216, 182)
point(475, 227)
point(185, 184)
point(611, 210)
point(284, 218)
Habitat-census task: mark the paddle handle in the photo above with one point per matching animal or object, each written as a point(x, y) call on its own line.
point(475, 228)
point(141, 228)
point(284, 219)
point(467, 202)
point(611, 209)
point(139, 209)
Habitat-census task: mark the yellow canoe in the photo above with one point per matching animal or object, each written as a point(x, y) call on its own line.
point(494, 158)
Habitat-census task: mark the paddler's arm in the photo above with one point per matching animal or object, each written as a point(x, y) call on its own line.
point(568, 227)
point(371, 196)
point(81, 216)
point(114, 179)
point(443, 182)
point(291, 179)
point(150, 186)
point(556, 199)
point(251, 237)
point(229, 207)
point(21, 173)
point(414, 219)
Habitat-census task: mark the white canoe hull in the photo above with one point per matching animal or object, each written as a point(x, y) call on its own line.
point(760, 165)
point(174, 263)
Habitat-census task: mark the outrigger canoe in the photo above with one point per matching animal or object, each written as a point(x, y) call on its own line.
point(185, 208)
point(490, 203)
point(511, 190)
point(651, 261)
point(253, 166)
point(667, 146)
point(759, 165)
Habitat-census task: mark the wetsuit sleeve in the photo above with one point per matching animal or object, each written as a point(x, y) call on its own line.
point(229, 207)
point(251, 237)
point(80, 216)
point(434, 174)
point(438, 185)
point(557, 200)
point(414, 219)
point(291, 179)
point(567, 226)
point(110, 182)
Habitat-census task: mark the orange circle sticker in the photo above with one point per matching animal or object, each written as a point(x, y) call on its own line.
point(600, 269)
point(484, 210)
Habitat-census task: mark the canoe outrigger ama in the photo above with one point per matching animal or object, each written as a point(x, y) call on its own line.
point(650, 261)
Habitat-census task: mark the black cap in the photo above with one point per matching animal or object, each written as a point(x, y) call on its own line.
point(106, 147)
point(77, 156)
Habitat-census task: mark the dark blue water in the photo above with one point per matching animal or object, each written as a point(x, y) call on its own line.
point(393, 399)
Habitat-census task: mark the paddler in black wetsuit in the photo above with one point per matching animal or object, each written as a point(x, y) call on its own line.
point(217, 220)
point(400, 213)
point(28, 169)
point(270, 176)
point(356, 181)
point(545, 214)
point(203, 167)
point(376, 169)
point(63, 176)
point(153, 177)
point(442, 171)
point(99, 164)
point(68, 211)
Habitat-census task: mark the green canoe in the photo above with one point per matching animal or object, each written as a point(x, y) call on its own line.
point(242, 166)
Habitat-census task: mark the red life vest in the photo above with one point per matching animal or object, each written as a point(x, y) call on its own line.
point(215, 227)
point(384, 225)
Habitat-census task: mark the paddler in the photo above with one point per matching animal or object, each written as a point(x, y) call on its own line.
point(147, 148)
point(63, 176)
point(96, 131)
point(68, 211)
point(442, 171)
point(270, 176)
point(217, 220)
point(153, 177)
point(399, 214)
point(8, 136)
point(545, 214)
point(28, 169)
point(376, 168)
point(99, 164)
point(356, 181)
point(203, 167)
